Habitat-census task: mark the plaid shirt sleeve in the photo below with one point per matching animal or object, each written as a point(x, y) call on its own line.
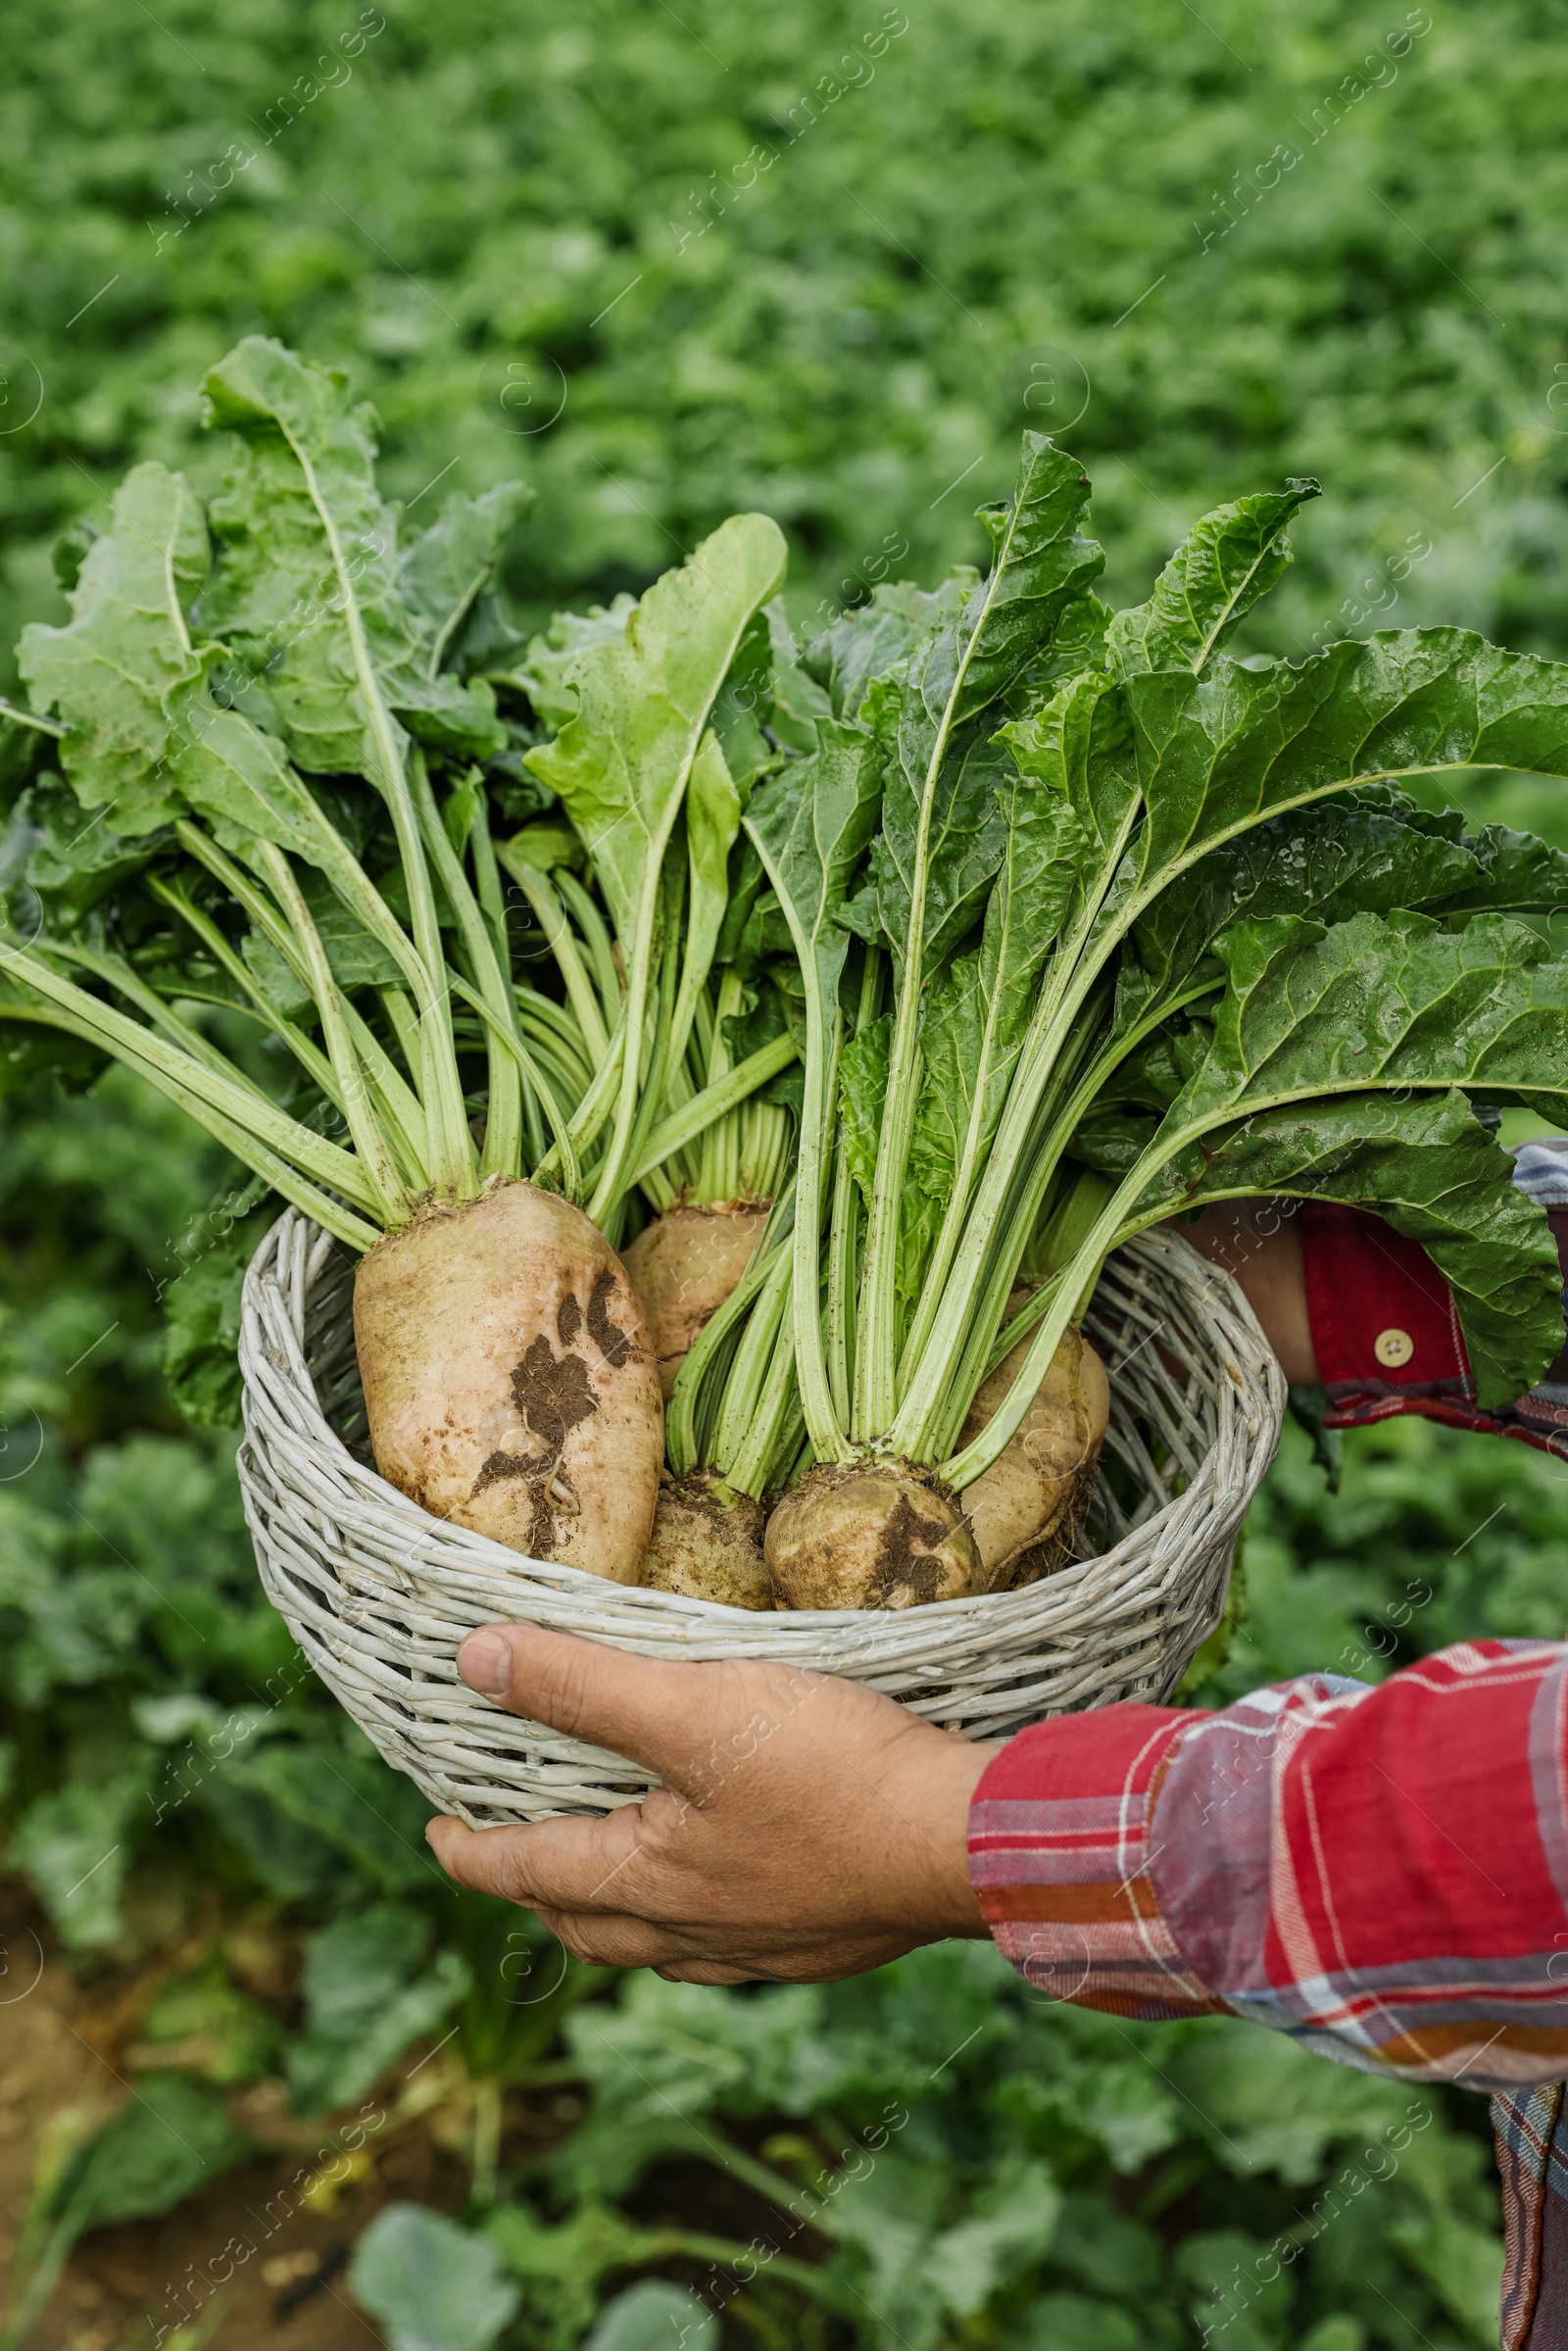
point(1380, 1873)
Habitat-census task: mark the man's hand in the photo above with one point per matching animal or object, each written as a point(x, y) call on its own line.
point(806, 1827)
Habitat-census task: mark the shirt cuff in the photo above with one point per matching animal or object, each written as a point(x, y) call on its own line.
point(1386, 1336)
point(1063, 1881)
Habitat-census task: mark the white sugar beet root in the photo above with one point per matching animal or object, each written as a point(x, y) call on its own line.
point(1022, 1510)
point(683, 1266)
point(708, 1546)
point(508, 1382)
point(859, 1536)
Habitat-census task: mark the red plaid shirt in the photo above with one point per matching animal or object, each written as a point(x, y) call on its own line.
point(1349, 1865)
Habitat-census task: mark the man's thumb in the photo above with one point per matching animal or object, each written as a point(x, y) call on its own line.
point(640, 1707)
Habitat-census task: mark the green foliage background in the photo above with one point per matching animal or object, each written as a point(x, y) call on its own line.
point(1003, 212)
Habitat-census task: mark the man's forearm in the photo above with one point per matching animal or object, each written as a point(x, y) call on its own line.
point(1260, 1241)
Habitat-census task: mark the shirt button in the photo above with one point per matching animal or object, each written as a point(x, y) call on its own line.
point(1393, 1348)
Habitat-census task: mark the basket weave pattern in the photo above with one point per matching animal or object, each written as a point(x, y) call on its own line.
point(379, 1594)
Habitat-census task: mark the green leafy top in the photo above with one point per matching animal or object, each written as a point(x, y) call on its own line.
point(126, 670)
point(1125, 899)
point(645, 694)
point(221, 688)
point(308, 590)
point(1131, 890)
point(637, 752)
point(1212, 581)
point(186, 700)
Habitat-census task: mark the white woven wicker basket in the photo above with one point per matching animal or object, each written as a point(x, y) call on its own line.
point(379, 1594)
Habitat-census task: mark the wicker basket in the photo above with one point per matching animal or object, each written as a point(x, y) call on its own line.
point(379, 1594)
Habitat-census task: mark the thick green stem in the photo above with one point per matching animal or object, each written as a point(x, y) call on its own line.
point(493, 905)
point(341, 870)
point(877, 1350)
point(283, 1178)
point(591, 1113)
point(685, 1440)
point(596, 935)
point(1019, 1325)
point(1117, 1222)
point(1067, 1095)
point(162, 1016)
point(843, 1256)
point(405, 1023)
point(555, 1021)
point(566, 1072)
point(1056, 1120)
point(393, 1202)
point(359, 892)
point(699, 1051)
point(698, 1115)
point(766, 1138)
point(774, 1423)
point(844, 1229)
point(240, 887)
point(440, 1089)
point(487, 880)
point(306, 1051)
point(706, 902)
point(991, 1302)
point(966, 1174)
point(642, 948)
point(1096, 938)
point(876, 1347)
point(1070, 980)
point(815, 1166)
point(502, 1130)
point(400, 1110)
point(735, 1438)
point(962, 1468)
point(563, 947)
point(505, 1040)
point(244, 1110)
point(663, 1052)
point(718, 1177)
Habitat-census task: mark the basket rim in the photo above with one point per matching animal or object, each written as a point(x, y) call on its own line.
point(1256, 1394)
